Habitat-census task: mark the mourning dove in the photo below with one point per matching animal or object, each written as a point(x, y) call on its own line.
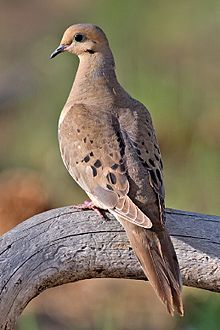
point(108, 145)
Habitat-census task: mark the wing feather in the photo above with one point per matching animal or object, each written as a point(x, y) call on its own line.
point(95, 157)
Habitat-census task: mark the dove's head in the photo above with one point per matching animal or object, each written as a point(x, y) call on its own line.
point(82, 39)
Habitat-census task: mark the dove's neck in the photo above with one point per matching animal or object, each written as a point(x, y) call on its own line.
point(95, 80)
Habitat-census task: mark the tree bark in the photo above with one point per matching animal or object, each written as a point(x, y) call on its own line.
point(66, 245)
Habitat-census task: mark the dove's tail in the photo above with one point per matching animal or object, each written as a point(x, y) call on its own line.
point(158, 259)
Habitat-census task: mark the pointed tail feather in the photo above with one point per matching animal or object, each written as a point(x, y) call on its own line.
point(159, 262)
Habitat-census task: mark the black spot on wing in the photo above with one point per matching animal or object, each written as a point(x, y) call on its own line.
point(135, 145)
point(111, 178)
point(146, 165)
point(120, 142)
point(158, 175)
point(156, 157)
point(157, 148)
point(151, 162)
point(114, 166)
point(97, 163)
point(86, 159)
point(122, 168)
point(94, 171)
point(153, 177)
point(109, 187)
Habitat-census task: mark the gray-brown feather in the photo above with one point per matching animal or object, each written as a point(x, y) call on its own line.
point(114, 156)
point(144, 164)
point(157, 257)
point(109, 146)
point(93, 150)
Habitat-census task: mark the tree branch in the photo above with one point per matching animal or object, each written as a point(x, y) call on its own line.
point(65, 245)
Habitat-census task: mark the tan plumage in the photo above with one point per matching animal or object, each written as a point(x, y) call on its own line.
point(109, 147)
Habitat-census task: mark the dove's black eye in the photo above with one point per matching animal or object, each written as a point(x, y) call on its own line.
point(79, 37)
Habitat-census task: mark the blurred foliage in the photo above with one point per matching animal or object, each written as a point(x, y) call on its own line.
point(204, 312)
point(167, 56)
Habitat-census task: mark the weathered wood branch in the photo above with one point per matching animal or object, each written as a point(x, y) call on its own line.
point(65, 245)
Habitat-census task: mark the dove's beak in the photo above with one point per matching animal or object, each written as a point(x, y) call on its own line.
point(58, 51)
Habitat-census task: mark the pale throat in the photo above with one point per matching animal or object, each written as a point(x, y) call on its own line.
point(95, 74)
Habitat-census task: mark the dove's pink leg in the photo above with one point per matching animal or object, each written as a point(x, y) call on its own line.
point(89, 205)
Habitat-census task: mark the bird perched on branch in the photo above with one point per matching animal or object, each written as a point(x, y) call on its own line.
point(108, 145)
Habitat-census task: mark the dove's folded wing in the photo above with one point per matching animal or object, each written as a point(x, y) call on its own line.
point(94, 156)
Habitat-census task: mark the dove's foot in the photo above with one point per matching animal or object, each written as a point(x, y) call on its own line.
point(89, 205)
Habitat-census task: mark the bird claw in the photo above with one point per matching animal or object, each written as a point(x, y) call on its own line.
point(89, 205)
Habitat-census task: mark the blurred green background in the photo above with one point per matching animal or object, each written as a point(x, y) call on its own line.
point(167, 56)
